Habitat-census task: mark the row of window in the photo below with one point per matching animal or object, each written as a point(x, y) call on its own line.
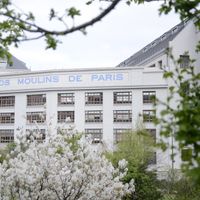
point(7, 135)
point(184, 61)
point(69, 99)
point(68, 116)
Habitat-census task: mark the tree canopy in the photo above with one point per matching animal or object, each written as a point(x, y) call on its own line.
point(56, 169)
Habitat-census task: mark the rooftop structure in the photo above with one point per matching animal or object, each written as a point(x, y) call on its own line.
point(153, 49)
point(15, 64)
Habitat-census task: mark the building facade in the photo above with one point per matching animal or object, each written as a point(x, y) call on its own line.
point(102, 102)
point(180, 42)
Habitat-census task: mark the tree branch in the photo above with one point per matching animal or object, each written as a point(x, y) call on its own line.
point(39, 29)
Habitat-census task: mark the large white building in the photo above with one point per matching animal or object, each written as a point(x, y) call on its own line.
point(103, 102)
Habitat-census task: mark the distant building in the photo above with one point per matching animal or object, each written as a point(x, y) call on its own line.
point(102, 102)
point(14, 64)
point(180, 39)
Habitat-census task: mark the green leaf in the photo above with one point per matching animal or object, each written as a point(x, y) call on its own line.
point(51, 42)
point(168, 75)
point(72, 12)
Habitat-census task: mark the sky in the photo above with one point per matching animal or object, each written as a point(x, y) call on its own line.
point(119, 35)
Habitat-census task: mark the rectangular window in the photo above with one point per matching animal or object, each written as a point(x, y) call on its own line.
point(153, 159)
point(160, 64)
point(65, 116)
point(93, 97)
point(122, 97)
point(184, 61)
point(8, 101)
point(119, 133)
point(122, 116)
point(149, 96)
point(93, 116)
point(35, 117)
point(36, 100)
point(148, 115)
point(36, 134)
point(7, 118)
point(152, 132)
point(96, 134)
point(151, 66)
point(6, 135)
point(186, 154)
point(66, 99)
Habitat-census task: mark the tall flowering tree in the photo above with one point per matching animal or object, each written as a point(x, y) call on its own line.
point(61, 168)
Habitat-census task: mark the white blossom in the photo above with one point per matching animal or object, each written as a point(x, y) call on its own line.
point(56, 170)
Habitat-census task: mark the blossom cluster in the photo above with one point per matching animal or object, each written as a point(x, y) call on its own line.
point(56, 169)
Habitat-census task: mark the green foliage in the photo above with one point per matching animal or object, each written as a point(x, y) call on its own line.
point(72, 12)
point(186, 9)
point(72, 140)
point(5, 151)
point(176, 187)
point(146, 185)
point(183, 121)
point(139, 142)
point(51, 42)
point(137, 148)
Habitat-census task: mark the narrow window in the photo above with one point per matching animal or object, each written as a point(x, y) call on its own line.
point(148, 115)
point(149, 96)
point(160, 64)
point(184, 61)
point(152, 132)
point(153, 159)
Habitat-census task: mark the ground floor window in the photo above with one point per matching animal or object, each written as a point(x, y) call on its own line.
point(96, 134)
point(119, 134)
point(36, 134)
point(6, 135)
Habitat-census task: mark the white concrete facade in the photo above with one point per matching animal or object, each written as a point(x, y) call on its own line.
point(185, 42)
point(145, 78)
point(135, 80)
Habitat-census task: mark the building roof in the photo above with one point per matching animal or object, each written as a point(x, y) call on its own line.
point(13, 65)
point(16, 64)
point(154, 48)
